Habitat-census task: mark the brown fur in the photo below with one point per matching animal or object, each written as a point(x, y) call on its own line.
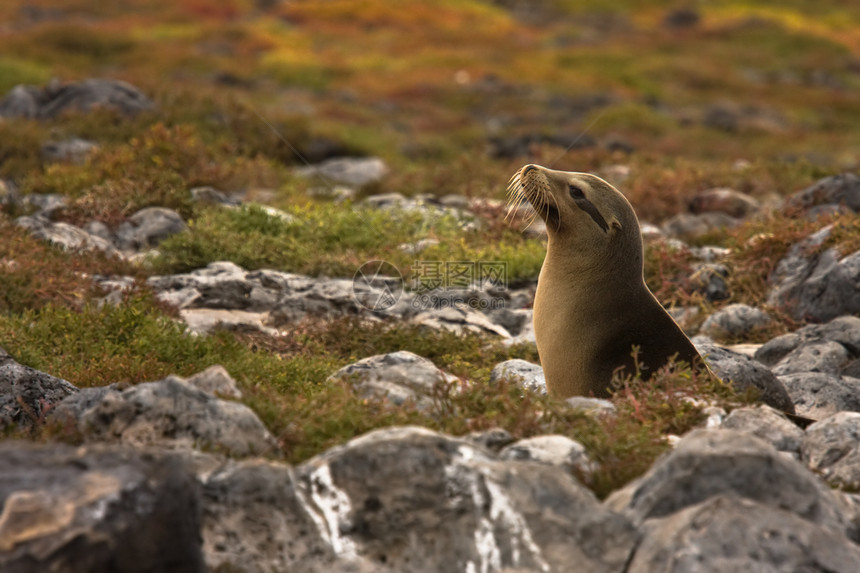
point(592, 306)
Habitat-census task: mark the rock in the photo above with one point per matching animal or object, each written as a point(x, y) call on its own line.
point(336, 193)
point(687, 226)
point(55, 99)
point(744, 372)
point(418, 246)
point(255, 520)
point(287, 297)
point(397, 376)
point(709, 279)
point(460, 320)
point(21, 101)
point(493, 439)
point(455, 201)
point(27, 395)
point(148, 227)
point(385, 200)
point(64, 235)
point(527, 333)
point(91, 509)
point(382, 498)
point(514, 321)
point(710, 463)
point(832, 449)
point(591, 406)
point(767, 424)
point(732, 203)
point(207, 320)
point(351, 171)
point(74, 150)
point(211, 196)
point(735, 321)
point(99, 229)
point(826, 356)
point(217, 381)
point(726, 533)
point(816, 287)
point(816, 395)
point(709, 253)
point(844, 330)
point(528, 375)
point(554, 450)
point(841, 189)
point(172, 414)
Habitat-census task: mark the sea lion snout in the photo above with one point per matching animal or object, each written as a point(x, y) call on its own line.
point(528, 168)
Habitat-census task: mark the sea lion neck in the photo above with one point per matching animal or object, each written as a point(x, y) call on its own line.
point(576, 263)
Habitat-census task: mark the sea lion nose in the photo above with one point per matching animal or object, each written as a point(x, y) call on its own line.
point(528, 168)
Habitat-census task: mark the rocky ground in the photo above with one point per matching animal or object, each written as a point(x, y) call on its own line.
point(224, 345)
point(180, 463)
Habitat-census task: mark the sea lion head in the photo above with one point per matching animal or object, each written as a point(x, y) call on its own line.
point(582, 211)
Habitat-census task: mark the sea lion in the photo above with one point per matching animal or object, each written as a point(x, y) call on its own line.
point(592, 307)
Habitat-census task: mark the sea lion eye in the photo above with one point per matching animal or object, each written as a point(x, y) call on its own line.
point(576, 192)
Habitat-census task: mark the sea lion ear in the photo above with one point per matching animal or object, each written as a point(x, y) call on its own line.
point(615, 224)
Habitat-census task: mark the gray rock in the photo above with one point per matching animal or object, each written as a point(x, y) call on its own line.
point(554, 450)
point(148, 227)
point(591, 406)
point(816, 395)
point(21, 101)
point(514, 321)
point(841, 189)
point(493, 439)
point(744, 372)
point(287, 297)
point(688, 226)
point(418, 246)
point(45, 204)
point(732, 203)
point(170, 413)
point(827, 357)
point(75, 150)
point(726, 533)
point(844, 330)
point(735, 320)
point(767, 424)
point(459, 319)
point(208, 320)
point(816, 287)
point(709, 463)
point(709, 279)
point(352, 171)
point(98, 510)
point(409, 499)
point(64, 235)
point(211, 196)
point(99, 229)
point(26, 394)
point(832, 449)
point(217, 381)
point(255, 521)
point(385, 200)
point(526, 335)
point(55, 99)
point(528, 375)
point(397, 376)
